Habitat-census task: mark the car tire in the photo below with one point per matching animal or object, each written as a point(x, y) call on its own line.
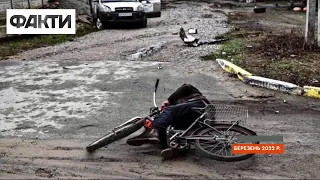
point(144, 22)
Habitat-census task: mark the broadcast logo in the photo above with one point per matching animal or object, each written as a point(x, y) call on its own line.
point(41, 21)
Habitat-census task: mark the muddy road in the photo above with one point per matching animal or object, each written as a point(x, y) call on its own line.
point(56, 100)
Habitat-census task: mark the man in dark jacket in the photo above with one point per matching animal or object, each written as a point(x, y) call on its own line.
point(176, 111)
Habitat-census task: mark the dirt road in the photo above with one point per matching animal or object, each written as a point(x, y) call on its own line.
point(60, 98)
point(67, 158)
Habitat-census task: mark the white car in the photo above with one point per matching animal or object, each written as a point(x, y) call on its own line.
point(152, 8)
point(136, 11)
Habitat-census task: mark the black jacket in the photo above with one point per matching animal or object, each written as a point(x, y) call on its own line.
point(184, 93)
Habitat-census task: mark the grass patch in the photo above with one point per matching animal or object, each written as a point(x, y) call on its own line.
point(18, 44)
point(232, 50)
point(267, 45)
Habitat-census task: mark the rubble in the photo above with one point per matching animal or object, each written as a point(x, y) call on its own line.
point(52, 4)
point(192, 31)
point(83, 19)
point(195, 42)
point(82, 7)
point(259, 9)
point(145, 52)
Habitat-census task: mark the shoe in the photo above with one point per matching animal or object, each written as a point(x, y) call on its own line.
point(170, 153)
point(149, 136)
point(167, 153)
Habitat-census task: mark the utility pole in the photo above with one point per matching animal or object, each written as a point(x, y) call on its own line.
point(29, 5)
point(310, 37)
point(318, 39)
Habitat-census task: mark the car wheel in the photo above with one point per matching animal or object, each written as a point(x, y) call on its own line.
point(144, 22)
point(99, 24)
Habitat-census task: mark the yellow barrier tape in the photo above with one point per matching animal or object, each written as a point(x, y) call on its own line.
point(234, 69)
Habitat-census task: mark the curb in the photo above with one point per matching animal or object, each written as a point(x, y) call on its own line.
point(282, 86)
point(234, 69)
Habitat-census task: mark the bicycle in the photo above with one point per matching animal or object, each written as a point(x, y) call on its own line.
point(207, 133)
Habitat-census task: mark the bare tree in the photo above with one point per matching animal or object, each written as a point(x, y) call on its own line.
point(29, 5)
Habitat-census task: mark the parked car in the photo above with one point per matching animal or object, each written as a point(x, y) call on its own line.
point(105, 12)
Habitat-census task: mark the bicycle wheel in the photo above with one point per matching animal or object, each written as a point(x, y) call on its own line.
point(221, 149)
point(119, 134)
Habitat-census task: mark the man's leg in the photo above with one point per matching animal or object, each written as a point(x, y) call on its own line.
point(151, 134)
point(183, 118)
point(162, 121)
point(179, 116)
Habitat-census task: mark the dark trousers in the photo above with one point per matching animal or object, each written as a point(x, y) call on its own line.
point(180, 116)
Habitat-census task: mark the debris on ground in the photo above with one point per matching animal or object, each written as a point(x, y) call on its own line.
point(145, 52)
point(192, 31)
point(297, 9)
point(262, 96)
point(83, 19)
point(52, 4)
point(82, 7)
point(271, 45)
point(195, 42)
point(259, 10)
point(311, 91)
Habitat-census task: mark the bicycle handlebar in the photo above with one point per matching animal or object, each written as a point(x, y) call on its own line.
point(156, 87)
point(154, 113)
point(154, 93)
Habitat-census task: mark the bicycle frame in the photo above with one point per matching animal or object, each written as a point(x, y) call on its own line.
point(194, 137)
